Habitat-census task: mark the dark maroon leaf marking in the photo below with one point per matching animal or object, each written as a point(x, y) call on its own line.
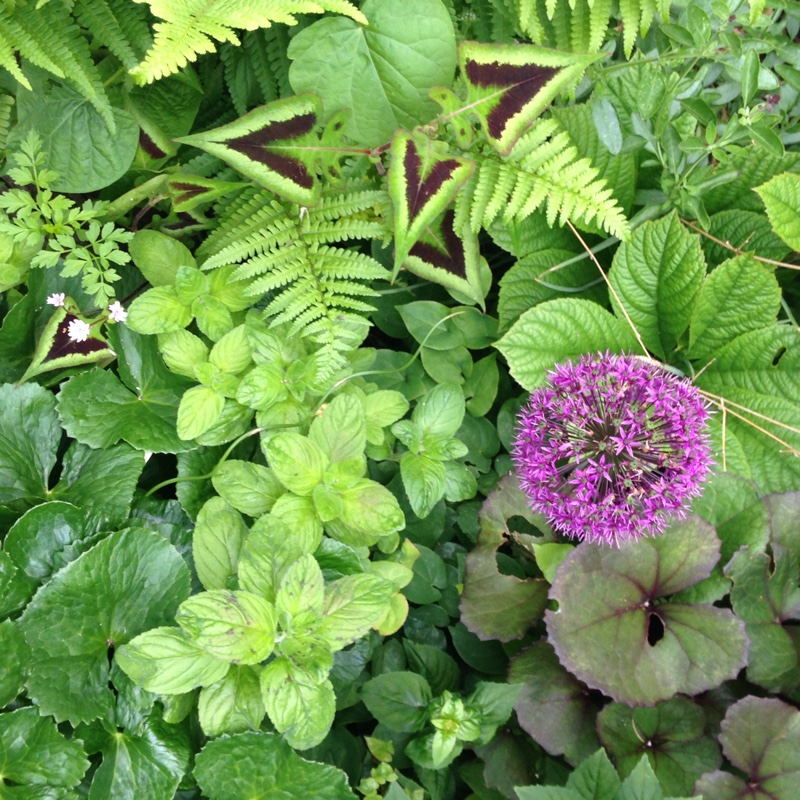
point(523, 82)
point(452, 258)
point(64, 346)
point(149, 146)
point(189, 190)
point(418, 192)
point(255, 145)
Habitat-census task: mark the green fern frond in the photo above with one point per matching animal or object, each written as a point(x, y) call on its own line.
point(100, 21)
point(276, 41)
point(191, 27)
point(6, 104)
point(50, 41)
point(288, 253)
point(543, 169)
point(133, 19)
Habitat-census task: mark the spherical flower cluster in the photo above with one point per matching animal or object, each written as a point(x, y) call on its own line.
point(611, 447)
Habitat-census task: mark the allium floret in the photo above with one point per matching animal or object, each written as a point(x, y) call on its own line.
point(611, 447)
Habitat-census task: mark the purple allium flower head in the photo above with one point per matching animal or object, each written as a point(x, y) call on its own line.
point(612, 446)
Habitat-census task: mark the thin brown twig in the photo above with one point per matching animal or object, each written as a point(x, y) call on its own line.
point(739, 252)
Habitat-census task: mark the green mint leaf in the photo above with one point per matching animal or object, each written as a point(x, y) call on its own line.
point(440, 411)
point(158, 310)
point(190, 283)
point(300, 708)
point(199, 409)
point(249, 488)
point(217, 543)
point(301, 588)
point(232, 704)
point(240, 767)
point(371, 513)
point(183, 352)
point(237, 626)
point(656, 277)
point(353, 605)
point(341, 430)
point(36, 755)
point(168, 661)
point(425, 482)
point(130, 582)
point(158, 256)
point(232, 353)
point(298, 463)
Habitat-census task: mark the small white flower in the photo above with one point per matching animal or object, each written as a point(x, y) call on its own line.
point(78, 330)
point(117, 312)
point(56, 299)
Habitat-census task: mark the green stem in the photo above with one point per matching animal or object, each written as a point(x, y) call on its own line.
point(155, 186)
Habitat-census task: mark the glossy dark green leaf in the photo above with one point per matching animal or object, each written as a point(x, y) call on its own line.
point(130, 582)
point(14, 661)
point(398, 700)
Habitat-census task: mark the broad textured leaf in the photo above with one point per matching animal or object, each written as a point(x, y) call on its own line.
point(781, 196)
point(233, 704)
point(341, 430)
point(560, 330)
point(47, 538)
point(301, 588)
point(521, 289)
point(606, 618)
point(31, 434)
point(130, 582)
point(275, 145)
point(300, 708)
point(217, 543)
point(34, 755)
point(252, 765)
point(740, 295)
point(657, 276)
point(158, 310)
point(422, 184)
point(425, 481)
point(759, 372)
point(15, 660)
point(98, 409)
point(747, 231)
point(150, 764)
point(101, 482)
point(766, 596)
point(493, 605)
point(508, 86)
point(381, 72)
point(237, 626)
point(553, 707)
point(199, 409)
point(80, 146)
point(670, 735)
point(249, 488)
point(168, 661)
point(761, 737)
point(398, 700)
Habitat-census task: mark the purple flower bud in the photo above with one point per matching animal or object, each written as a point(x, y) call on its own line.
point(611, 447)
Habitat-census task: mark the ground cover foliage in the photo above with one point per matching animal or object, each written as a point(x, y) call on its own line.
point(261, 531)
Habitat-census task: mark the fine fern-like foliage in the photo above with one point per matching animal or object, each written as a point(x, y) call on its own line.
point(581, 25)
point(191, 27)
point(543, 170)
point(289, 254)
point(6, 104)
point(119, 25)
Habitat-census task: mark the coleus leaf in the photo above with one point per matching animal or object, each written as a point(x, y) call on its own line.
point(189, 191)
point(276, 146)
point(508, 86)
point(56, 350)
point(422, 184)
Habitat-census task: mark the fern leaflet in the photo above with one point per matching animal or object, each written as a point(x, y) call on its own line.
point(543, 169)
point(190, 27)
